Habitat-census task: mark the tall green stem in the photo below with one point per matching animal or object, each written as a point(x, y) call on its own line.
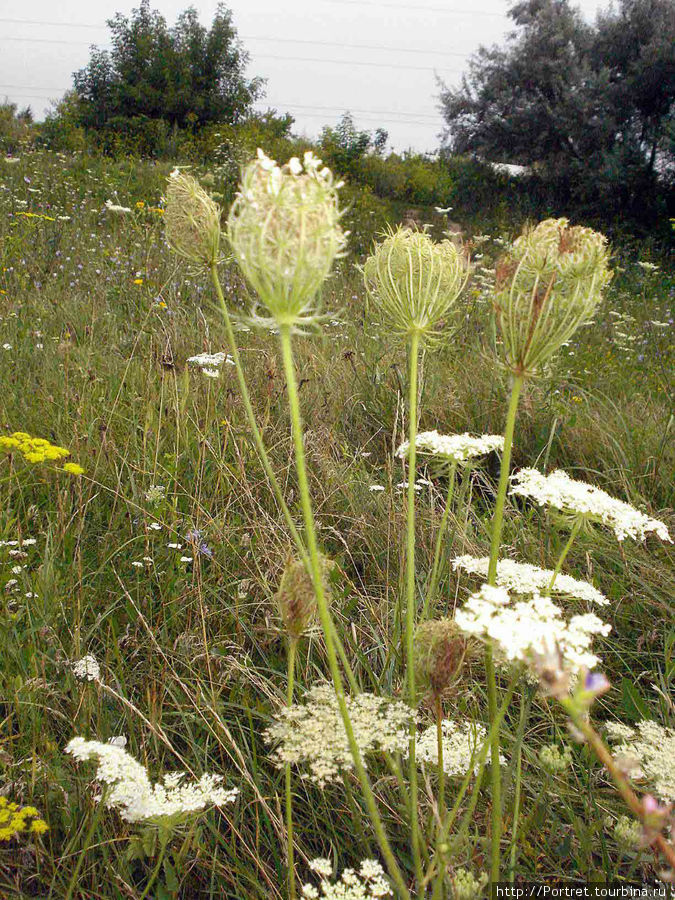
point(495, 544)
point(262, 452)
point(563, 555)
point(410, 597)
point(155, 871)
point(324, 612)
point(441, 770)
point(431, 594)
point(292, 647)
point(250, 415)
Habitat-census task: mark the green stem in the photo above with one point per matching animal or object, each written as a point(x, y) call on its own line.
point(431, 595)
point(155, 871)
point(292, 647)
point(327, 624)
point(441, 770)
point(410, 597)
point(525, 704)
point(262, 452)
point(80, 861)
point(250, 415)
point(558, 566)
point(495, 544)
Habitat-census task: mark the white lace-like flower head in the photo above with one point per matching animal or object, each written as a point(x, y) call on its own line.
point(455, 448)
point(462, 742)
point(313, 732)
point(524, 578)
point(130, 791)
point(87, 668)
point(585, 501)
point(531, 629)
point(652, 746)
point(369, 883)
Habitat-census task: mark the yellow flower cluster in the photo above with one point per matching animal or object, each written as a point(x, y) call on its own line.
point(37, 450)
point(15, 820)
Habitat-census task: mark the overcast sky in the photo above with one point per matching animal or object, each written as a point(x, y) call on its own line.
point(376, 58)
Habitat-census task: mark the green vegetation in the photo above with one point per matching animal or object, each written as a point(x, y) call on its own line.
point(165, 558)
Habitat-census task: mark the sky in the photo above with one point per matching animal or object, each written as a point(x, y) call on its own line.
point(378, 59)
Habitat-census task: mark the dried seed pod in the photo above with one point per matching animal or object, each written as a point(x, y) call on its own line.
point(192, 220)
point(440, 649)
point(547, 285)
point(296, 598)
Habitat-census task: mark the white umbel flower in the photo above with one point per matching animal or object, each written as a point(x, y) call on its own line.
point(526, 630)
point(583, 500)
point(524, 578)
point(130, 791)
point(462, 742)
point(653, 747)
point(210, 363)
point(455, 448)
point(87, 668)
point(116, 210)
point(313, 732)
point(369, 883)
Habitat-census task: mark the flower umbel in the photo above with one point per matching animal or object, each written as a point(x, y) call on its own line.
point(580, 500)
point(415, 281)
point(192, 220)
point(285, 233)
point(531, 630)
point(369, 883)
point(314, 733)
point(548, 284)
point(455, 448)
point(652, 746)
point(524, 578)
point(462, 742)
point(131, 792)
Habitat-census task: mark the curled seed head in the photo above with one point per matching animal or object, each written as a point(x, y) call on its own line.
point(284, 229)
point(192, 220)
point(440, 650)
point(296, 598)
point(547, 285)
point(415, 281)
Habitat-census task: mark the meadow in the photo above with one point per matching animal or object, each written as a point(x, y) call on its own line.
point(163, 559)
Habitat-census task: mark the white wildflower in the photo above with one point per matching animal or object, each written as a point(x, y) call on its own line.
point(467, 887)
point(115, 209)
point(456, 448)
point(587, 501)
point(375, 488)
point(369, 883)
point(554, 760)
point(524, 578)
point(462, 742)
point(130, 791)
point(529, 629)
point(87, 668)
point(653, 747)
point(210, 363)
point(628, 833)
point(314, 733)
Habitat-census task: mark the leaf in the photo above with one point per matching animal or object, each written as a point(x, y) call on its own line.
point(632, 702)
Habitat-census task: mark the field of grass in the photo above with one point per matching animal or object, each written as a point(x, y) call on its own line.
point(162, 560)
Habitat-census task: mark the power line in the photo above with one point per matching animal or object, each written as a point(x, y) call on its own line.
point(281, 40)
point(312, 59)
point(436, 9)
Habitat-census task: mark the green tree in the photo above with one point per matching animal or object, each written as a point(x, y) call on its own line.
point(186, 75)
point(589, 107)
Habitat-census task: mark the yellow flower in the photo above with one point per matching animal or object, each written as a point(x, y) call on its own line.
point(73, 468)
point(138, 281)
point(140, 204)
point(13, 820)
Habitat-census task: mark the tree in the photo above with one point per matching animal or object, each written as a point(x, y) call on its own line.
point(589, 107)
point(186, 75)
point(344, 146)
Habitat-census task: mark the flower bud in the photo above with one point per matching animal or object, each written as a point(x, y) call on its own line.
point(415, 281)
point(548, 284)
point(285, 233)
point(296, 598)
point(192, 220)
point(440, 648)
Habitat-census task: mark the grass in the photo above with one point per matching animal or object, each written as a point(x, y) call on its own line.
point(98, 320)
